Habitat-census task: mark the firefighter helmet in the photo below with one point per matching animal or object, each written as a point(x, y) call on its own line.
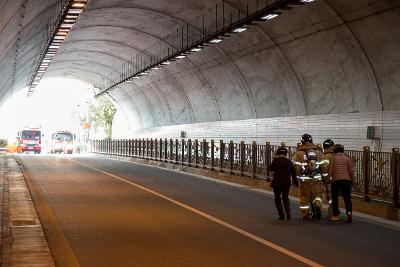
point(306, 138)
point(328, 143)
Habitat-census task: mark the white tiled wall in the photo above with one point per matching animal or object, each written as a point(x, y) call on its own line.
point(348, 129)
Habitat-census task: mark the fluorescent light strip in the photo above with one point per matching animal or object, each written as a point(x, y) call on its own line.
point(216, 40)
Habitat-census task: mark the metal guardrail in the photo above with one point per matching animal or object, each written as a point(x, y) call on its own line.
point(376, 177)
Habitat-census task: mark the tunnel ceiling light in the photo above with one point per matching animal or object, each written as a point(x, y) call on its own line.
point(196, 49)
point(239, 29)
point(271, 15)
point(208, 36)
point(64, 22)
point(215, 40)
point(180, 56)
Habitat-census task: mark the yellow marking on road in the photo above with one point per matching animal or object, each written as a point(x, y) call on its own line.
point(214, 219)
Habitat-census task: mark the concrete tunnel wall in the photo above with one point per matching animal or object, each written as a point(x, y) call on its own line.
point(330, 68)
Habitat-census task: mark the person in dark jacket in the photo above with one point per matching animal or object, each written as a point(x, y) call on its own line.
point(282, 168)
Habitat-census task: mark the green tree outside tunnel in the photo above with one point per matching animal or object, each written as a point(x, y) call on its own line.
point(101, 114)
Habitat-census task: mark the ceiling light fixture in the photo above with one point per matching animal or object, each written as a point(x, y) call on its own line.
point(239, 29)
point(271, 15)
point(63, 25)
point(215, 40)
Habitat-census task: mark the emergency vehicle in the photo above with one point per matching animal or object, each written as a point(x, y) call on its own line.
point(62, 142)
point(29, 140)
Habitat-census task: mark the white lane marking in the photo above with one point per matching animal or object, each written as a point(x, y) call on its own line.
point(214, 219)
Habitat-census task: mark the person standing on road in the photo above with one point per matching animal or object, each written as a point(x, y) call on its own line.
point(341, 172)
point(282, 168)
point(327, 145)
point(307, 161)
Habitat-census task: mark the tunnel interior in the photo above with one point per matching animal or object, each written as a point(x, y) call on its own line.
point(329, 67)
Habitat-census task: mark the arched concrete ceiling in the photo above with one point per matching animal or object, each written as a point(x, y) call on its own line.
point(331, 56)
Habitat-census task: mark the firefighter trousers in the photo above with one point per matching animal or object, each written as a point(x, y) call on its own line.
point(310, 193)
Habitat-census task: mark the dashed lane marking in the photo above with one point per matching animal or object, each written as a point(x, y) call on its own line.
point(212, 218)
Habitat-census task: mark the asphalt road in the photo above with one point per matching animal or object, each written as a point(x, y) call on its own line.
point(102, 212)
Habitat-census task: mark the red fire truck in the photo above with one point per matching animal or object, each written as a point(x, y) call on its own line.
point(29, 140)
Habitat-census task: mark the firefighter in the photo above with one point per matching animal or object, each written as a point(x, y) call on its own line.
point(307, 162)
point(327, 155)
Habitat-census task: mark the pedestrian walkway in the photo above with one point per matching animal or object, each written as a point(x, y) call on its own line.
point(22, 239)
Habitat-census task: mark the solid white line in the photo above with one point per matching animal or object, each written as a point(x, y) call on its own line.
point(214, 219)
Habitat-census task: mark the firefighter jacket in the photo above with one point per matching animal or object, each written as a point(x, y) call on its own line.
point(324, 167)
point(307, 161)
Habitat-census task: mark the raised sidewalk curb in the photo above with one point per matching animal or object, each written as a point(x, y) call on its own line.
point(23, 241)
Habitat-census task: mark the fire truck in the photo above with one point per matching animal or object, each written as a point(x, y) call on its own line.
point(29, 140)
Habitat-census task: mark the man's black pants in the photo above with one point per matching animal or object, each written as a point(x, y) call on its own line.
point(282, 195)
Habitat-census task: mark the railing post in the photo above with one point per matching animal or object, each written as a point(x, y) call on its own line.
point(253, 158)
point(212, 153)
point(116, 147)
point(189, 152)
point(204, 152)
point(171, 150)
point(242, 156)
point(151, 148)
point(119, 147)
point(196, 153)
point(268, 158)
point(165, 149)
point(221, 155)
point(140, 147)
point(176, 150)
point(146, 147)
point(182, 151)
point(395, 176)
point(231, 156)
point(366, 162)
point(160, 150)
